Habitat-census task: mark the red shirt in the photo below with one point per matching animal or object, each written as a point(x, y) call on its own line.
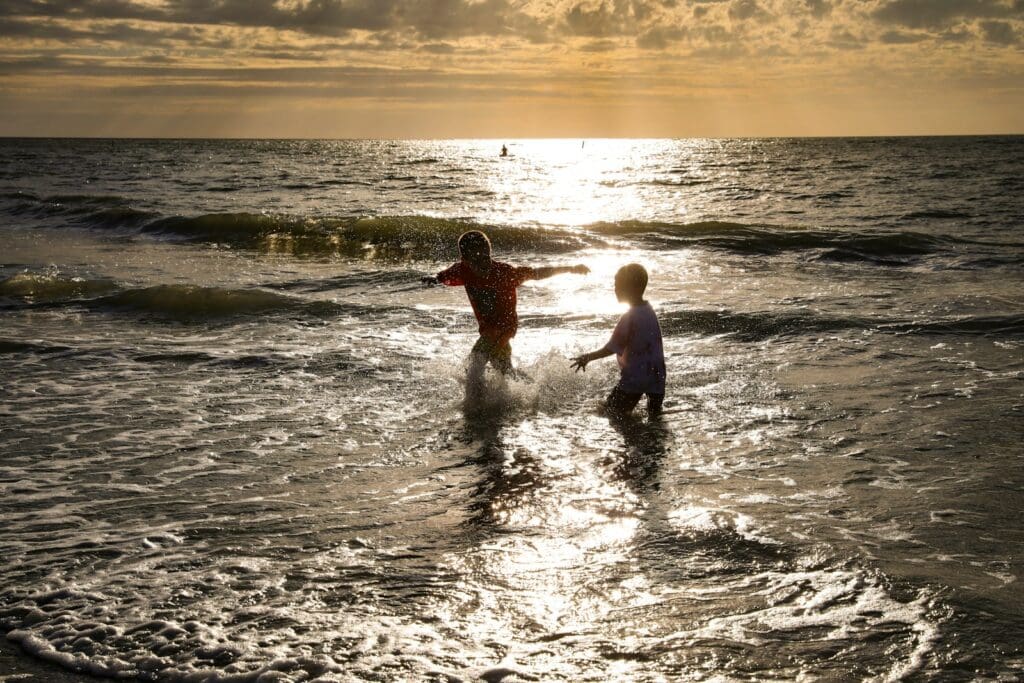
point(492, 296)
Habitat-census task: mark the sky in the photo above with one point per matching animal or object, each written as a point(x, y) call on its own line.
point(510, 68)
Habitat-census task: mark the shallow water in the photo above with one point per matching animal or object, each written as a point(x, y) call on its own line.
point(235, 443)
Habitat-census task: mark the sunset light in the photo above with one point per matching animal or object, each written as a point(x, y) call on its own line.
point(511, 68)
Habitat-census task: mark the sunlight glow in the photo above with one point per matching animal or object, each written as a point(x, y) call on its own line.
point(576, 182)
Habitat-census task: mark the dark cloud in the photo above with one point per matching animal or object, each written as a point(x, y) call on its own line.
point(177, 82)
point(956, 36)
point(936, 14)
point(741, 10)
point(436, 27)
point(41, 63)
point(999, 32)
point(295, 74)
point(660, 37)
point(157, 59)
point(842, 39)
point(432, 19)
point(819, 9)
point(600, 46)
point(438, 48)
point(902, 37)
point(318, 17)
point(605, 18)
point(20, 28)
point(81, 9)
point(594, 21)
point(436, 19)
point(286, 55)
point(112, 32)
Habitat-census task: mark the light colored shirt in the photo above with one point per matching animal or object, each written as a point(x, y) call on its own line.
point(636, 342)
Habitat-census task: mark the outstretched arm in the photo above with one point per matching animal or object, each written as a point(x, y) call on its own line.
point(580, 362)
point(449, 276)
point(551, 271)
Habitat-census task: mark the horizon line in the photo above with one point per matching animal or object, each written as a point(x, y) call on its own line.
point(513, 138)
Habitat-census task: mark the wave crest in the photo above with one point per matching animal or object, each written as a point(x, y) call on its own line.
point(387, 237)
point(429, 238)
point(770, 240)
point(52, 287)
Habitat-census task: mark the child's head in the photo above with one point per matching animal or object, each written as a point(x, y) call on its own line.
point(474, 247)
point(630, 283)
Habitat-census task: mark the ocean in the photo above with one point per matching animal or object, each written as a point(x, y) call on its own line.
point(235, 443)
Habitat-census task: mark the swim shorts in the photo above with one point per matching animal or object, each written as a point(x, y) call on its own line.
point(622, 402)
point(498, 354)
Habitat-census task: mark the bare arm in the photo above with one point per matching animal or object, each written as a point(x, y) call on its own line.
point(551, 271)
point(580, 362)
point(449, 276)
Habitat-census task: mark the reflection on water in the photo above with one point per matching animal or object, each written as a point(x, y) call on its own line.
point(235, 443)
point(645, 446)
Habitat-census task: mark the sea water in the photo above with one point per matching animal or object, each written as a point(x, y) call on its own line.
point(235, 443)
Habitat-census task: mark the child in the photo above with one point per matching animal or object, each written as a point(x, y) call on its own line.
point(637, 342)
point(491, 287)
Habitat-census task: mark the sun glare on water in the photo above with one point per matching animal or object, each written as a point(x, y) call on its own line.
point(570, 183)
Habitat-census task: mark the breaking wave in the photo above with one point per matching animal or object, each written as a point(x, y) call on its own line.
point(420, 237)
point(388, 237)
point(52, 287)
point(91, 211)
point(187, 302)
point(769, 240)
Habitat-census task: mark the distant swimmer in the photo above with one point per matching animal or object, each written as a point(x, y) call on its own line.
point(504, 151)
point(491, 287)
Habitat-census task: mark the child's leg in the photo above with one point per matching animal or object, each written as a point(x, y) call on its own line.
point(501, 359)
point(498, 354)
point(478, 359)
point(621, 402)
point(654, 402)
point(487, 351)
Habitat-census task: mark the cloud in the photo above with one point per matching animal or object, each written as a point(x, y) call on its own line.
point(144, 35)
point(999, 32)
point(429, 18)
point(660, 37)
point(956, 36)
point(902, 37)
point(843, 39)
point(818, 8)
point(599, 46)
point(438, 48)
point(741, 10)
point(937, 14)
point(171, 48)
point(593, 21)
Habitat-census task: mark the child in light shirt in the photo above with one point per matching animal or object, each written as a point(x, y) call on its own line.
point(636, 342)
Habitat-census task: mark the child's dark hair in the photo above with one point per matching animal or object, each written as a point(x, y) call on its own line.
point(474, 241)
point(633, 275)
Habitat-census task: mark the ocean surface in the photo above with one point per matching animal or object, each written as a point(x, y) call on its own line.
point(235, 444)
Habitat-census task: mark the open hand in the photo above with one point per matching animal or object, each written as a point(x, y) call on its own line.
point(429, 280)
point(580, 363)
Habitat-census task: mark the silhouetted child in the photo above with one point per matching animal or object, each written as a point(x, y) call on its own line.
point(637, 343)
point(491, 287)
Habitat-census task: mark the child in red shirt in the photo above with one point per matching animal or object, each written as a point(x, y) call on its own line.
point(491, 287)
